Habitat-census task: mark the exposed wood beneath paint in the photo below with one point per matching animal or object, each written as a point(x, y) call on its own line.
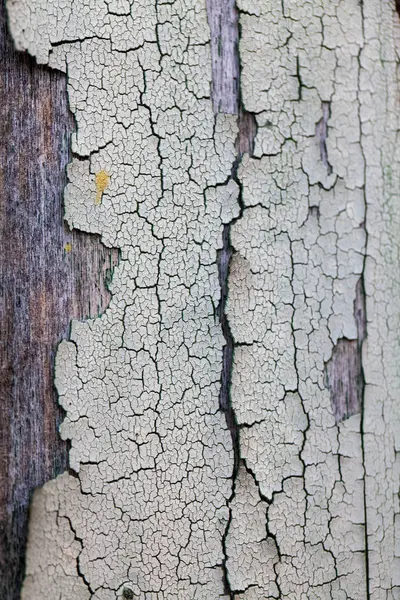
point(48, 276)
point(223, 21)
point(345, 378)
point(247, 133)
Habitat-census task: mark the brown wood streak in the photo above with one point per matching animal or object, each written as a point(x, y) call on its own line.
point(247, 126)
point(44, 283)
point(223, 22)
point(345, 378)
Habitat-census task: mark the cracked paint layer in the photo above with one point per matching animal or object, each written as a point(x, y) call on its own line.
point(145, 514)
point(311, 193)
point(379, 112)
point(250, 485)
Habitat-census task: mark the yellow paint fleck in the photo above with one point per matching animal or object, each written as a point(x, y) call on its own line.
point(68, 247)
point(102, 181)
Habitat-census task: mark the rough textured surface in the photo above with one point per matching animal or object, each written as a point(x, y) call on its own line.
point(379, 113)
point(327, 494)
point(48, 276)
point(140, 384)
point(250, 485)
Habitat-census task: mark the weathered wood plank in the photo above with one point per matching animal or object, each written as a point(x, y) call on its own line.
point(48, 276)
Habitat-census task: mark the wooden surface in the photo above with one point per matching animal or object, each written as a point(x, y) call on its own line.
point(48, 276)
point(223, 22)
point(345, 377)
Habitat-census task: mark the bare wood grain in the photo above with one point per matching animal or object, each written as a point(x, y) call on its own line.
point(345, 378)
point(223, 22)
point(48, 275)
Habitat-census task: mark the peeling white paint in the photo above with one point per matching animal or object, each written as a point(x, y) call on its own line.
point(140, 384)
point(379, 112)
point(155, 510)
point(301, 245)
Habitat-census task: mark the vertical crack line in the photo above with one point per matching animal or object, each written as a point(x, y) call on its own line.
point(223, 19)
point(244, 142)
point(321, 132)
point(225, 401)
point(363, 331)
point(78, 566)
